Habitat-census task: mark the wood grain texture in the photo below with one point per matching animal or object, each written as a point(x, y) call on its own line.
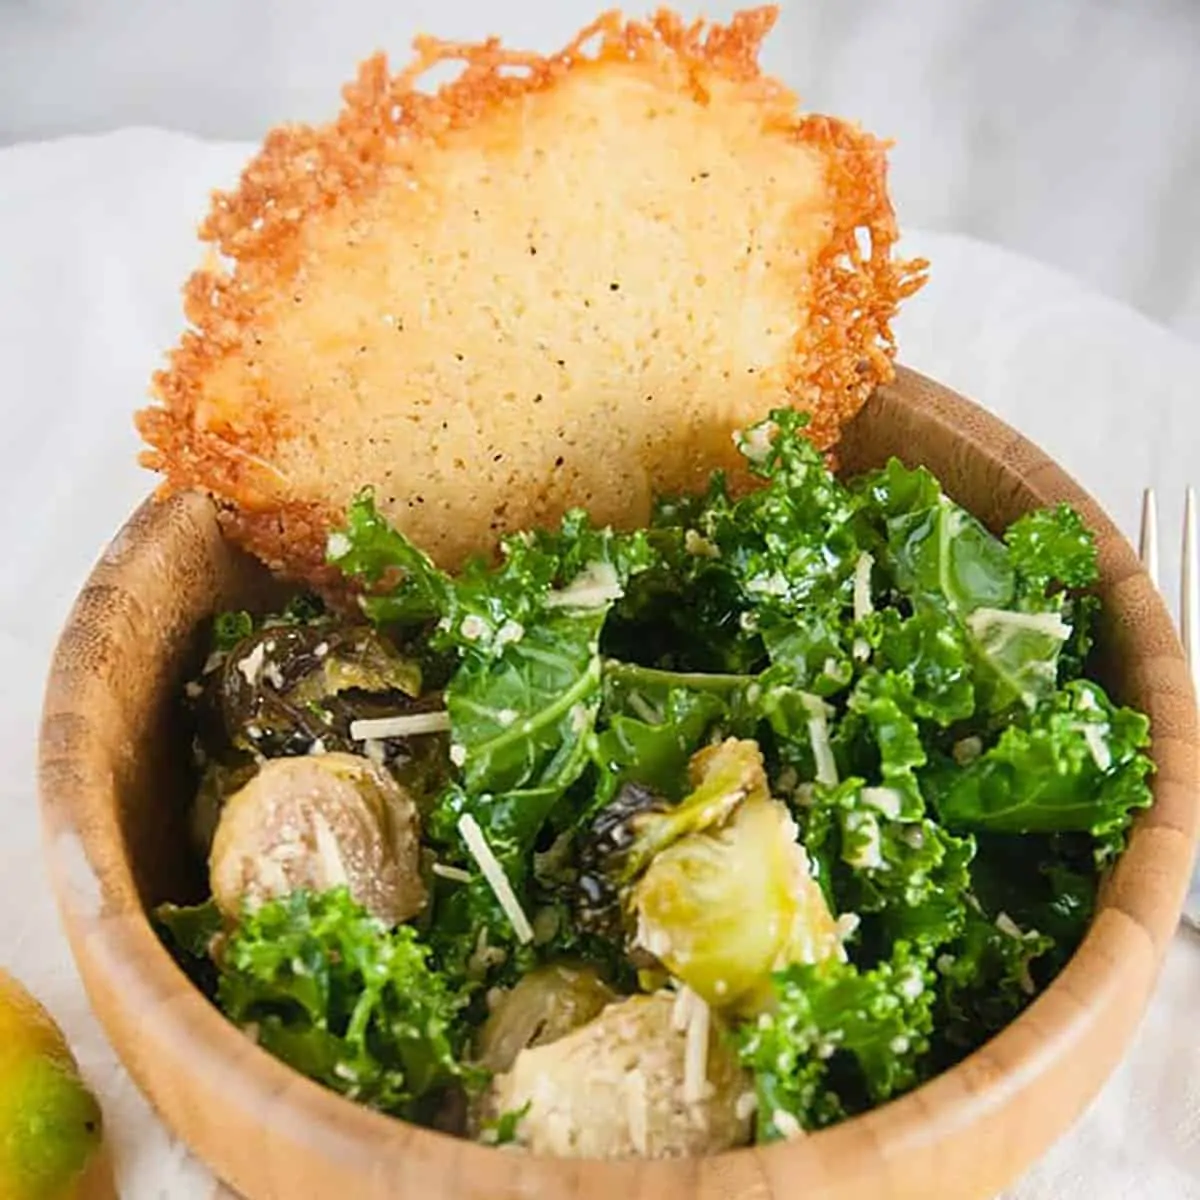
point(113, 806)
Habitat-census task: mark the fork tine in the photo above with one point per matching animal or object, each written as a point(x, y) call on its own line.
point(1189, 591)
point(1148, 542)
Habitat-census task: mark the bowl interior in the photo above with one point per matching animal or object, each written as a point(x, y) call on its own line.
point(116, 784)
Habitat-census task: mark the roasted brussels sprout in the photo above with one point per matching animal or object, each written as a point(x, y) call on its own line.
point(316, 823)
point(621, 1086)
point(286, 688)
point(545, 1005)
point(219, 781)
point(717, 889)
point(724, 909)
point(638, 823)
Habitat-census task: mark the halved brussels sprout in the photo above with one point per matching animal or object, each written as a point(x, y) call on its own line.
point(545, 1005)
point(286, 687)
point(317, 823)
point(638, 823)
point(722, 910)
point(717, 888)
point(615, 1088)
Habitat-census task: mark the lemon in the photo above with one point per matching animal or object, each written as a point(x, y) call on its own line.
point(49, 1121)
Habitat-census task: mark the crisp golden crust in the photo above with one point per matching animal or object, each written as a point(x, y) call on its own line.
point(382, 315)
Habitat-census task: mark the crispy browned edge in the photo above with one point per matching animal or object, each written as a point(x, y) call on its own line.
point(846, 349)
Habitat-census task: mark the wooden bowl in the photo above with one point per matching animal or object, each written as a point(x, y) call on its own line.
point(113, 801)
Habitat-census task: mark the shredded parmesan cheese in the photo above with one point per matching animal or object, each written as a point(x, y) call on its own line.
point(818, 735)
point(595, 586)
point(886, 800)
point(846, 925)
point(862, 586)
point(1008, 926)
point(682, 1008)
point(402, 726)
point(695, 1063)
point(445, 871)
point(329, 852)
point(473, 627)
point(696, 543)
point(755, 442)
point(786, 1124)
point(1097, 746)
point(510, 631)
point(252, 664)
point(967, 750)
point(493, 872)
point(634, 1088)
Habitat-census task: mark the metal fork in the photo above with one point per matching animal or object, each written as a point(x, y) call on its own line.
point(1189, 619)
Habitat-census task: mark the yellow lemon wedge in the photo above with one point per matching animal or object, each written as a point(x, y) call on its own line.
point(50, 1123)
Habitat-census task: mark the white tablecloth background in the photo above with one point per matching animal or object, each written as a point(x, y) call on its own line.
point(96, 236)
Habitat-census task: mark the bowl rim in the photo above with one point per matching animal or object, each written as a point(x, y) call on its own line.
point(1136, 915)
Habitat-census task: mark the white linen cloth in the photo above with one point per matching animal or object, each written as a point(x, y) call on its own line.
point(96, 237)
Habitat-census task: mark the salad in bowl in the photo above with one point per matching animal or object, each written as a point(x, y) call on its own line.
point(664, 841)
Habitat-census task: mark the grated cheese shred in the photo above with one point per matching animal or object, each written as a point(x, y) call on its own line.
point(695, 1063)
point(862, 586)
point(493, 872)
point(457, 874)
point(818, 735)
point(405, 725)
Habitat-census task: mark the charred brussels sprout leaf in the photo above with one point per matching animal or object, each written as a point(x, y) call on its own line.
point(629, 833)
point(287, 686)
point(723, 909)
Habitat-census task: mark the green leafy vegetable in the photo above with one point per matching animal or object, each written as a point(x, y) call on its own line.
point(1018, 655)
point(351, 1004)
point(824, 752)
point(985, 980)
point(1051, 545)
point(502, 1131)
point(1074, 764)
point(190, 930)
point(934, 656)
point(369, 549)
point(839, 1039)
point(882, 858)
point(937, 551)
point(229, 628)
